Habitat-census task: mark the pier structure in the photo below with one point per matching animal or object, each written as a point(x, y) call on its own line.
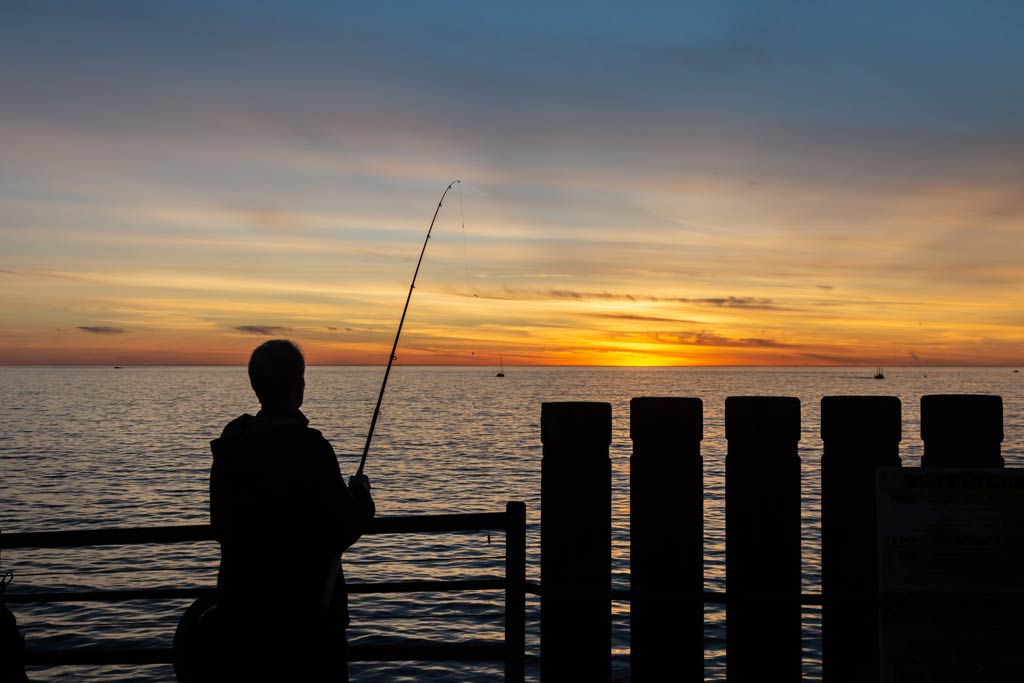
point(763, 595)
point(896, 598)
point(510, 651)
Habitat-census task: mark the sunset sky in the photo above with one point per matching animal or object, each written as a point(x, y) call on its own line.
point(680, 183)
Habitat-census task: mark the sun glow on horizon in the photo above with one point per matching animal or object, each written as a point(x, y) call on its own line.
point(649, 197)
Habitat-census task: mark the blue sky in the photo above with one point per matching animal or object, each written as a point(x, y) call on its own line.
point(195, 168)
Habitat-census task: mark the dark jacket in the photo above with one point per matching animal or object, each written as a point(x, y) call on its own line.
point(282, 514)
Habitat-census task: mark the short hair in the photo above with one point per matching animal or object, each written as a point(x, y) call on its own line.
point(276, 368)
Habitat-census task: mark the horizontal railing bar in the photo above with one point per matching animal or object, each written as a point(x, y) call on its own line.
point(425, 586)
point(440, 586)
point(107, 595)
point(531, 587)
point(410, 650)
point(191, 533)
point(428, 652)
point(84, 537)
point(99, 656)
point(414, 524)
point(806, 599)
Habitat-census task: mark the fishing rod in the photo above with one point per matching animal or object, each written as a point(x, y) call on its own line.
point(394, 347)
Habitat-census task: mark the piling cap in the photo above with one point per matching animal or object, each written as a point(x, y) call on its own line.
point(576, 423)
point(767, 418)
point(666, 418)
point(861, 419)
point(962, 417)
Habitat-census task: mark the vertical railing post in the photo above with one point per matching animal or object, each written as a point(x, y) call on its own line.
point(962, 430)
point(666, 623)
point(762, 539)
point(575, 565)
point(860, 434)
point(515, 592)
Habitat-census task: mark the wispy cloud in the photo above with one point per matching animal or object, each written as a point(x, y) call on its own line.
point(263, 330)
point(641, 318)
point(748, 302)
point(805, 195)
point(102, 329)
point(745, 302)
point(706, 338)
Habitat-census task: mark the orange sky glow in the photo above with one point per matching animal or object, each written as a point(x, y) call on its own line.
point(660, 196)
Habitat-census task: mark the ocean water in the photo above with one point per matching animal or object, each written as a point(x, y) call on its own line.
point(97, 447)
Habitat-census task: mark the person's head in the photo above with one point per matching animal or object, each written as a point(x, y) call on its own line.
point(276, 372)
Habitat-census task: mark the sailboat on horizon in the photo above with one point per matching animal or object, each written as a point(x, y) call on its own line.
point(501, 363)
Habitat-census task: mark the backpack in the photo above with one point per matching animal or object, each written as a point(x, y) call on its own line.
point(12, 643)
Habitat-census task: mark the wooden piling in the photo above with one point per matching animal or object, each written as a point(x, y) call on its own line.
point(962, 430)
point(576, 542)
point(515, 592)
point(947, 533)
point(666, 540)
point(860, 434)
point(762, 530)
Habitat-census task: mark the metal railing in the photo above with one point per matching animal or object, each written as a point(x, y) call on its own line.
point(511, 650)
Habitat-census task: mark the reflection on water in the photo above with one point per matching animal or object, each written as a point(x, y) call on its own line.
point(94, 447)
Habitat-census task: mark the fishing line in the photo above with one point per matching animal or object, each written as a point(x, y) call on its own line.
point(465, 250)
point(394, 347)
point(462, 215)
point(465, 261)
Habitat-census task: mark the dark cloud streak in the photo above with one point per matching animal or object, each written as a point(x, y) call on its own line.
point(744, 302)
point(748, 302)
point(641, 318)
point(102, 329)
point(706, 338)
point(263, 330)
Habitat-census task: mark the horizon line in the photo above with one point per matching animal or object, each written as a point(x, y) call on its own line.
point(487, 365)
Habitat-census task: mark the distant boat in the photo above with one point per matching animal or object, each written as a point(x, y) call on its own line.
point(879, 374)
point(117, 367)
point(501, 362)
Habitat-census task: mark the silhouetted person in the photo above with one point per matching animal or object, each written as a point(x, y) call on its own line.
point(282, 514)
point(12, 646)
